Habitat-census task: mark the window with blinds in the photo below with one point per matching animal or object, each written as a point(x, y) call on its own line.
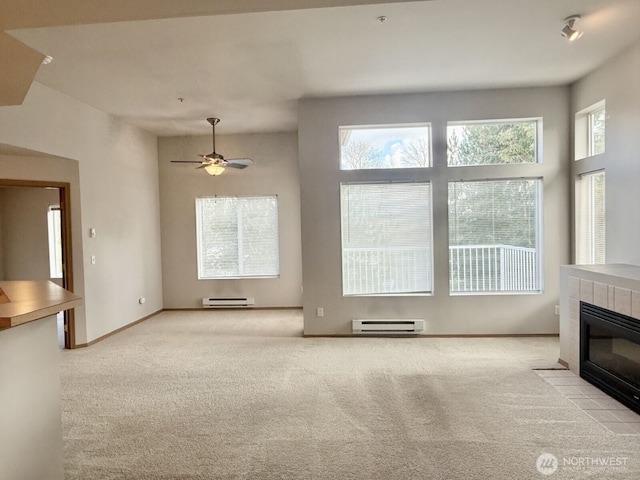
point(386, 238)
point(494, 232)
point(237, 237)
point(590, 218)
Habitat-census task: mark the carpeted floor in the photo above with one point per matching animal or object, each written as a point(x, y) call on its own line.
point(241, 395)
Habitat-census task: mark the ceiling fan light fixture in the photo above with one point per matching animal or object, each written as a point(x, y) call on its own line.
point(214, 169)
point(568, 31)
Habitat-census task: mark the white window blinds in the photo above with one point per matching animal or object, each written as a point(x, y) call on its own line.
point(591, 219)
point(493, 236)
point(386, 238)
point(237, 237)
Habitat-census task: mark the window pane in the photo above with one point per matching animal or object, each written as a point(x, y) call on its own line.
point(237, 237)
point(596, 131)
point(591, 218)
point(385, 147)
point(491, 143)
point(386, 238)
point(55, 242)
point(493, 236)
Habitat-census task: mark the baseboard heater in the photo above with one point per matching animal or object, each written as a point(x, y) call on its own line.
point(228, 302)
point(387, 326)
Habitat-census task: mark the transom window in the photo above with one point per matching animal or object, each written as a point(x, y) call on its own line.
point(590, 130)
point(381, 147)
point(492, 143)
point(386, 238)
point(237, 237)
point(596, 122)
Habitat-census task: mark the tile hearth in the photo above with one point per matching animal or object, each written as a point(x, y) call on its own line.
point(607, 411)
point(615, 287)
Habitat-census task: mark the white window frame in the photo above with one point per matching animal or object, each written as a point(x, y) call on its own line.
point(538, 264)
point(586, 220)
point(344, 134)
point(200, 246)
point(583, 134)
point(537, 140)
point(429, 279)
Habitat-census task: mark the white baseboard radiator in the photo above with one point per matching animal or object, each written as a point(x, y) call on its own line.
point(228, 302)
point(387, 326)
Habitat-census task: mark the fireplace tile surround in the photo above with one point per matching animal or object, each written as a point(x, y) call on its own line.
point(615, 287)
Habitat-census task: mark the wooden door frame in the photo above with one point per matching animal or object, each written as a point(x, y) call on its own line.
point(67, 251)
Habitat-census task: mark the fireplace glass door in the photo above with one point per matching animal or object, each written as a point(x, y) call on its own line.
point(614, 353)
point(610, 353)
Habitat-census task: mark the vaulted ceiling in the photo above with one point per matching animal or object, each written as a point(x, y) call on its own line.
point(166, 66)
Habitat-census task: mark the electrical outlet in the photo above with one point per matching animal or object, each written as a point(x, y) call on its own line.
point(320, 312)
point(557, 309)
point(93, 259)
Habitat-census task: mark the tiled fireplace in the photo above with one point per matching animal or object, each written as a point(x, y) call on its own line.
point(600, 327)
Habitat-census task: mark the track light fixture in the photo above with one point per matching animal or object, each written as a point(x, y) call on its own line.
point(568, 31)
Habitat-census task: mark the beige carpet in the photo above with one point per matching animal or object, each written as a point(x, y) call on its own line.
point(237, 395)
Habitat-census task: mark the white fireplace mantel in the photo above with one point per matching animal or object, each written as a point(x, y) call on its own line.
point(615, 287)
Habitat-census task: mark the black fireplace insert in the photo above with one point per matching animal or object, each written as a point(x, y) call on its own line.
point(610, 353)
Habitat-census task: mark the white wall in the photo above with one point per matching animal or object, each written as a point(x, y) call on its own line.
point(56, 170)
point(25, 243)
point(118, 173)
point(319, 120)
point(618, 83)
point(30, 424)
point(275, 171)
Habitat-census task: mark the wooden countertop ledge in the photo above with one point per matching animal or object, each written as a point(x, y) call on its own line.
point(28, 300)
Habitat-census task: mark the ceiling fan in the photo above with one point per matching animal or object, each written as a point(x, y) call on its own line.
point(214, 163)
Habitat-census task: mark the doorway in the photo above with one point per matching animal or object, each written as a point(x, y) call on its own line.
point(30, 229)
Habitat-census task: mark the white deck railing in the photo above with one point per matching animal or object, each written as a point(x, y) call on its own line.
point(493, 268)
point(368, 271)
point(472, 268)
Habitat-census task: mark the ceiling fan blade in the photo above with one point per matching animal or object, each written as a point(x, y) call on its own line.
point(186, 161)
point(239, 162)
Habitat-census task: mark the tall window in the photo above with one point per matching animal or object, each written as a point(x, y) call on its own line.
point(591, 219)
point(494, 236)
point(397, 146)
point(492, 143)
point(386, 238)
point(237, 237)
point(55, 241)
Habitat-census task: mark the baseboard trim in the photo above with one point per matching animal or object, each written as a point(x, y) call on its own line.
point(99, 339)
point(462, 335)
point(202, 309)
point(563, 363)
